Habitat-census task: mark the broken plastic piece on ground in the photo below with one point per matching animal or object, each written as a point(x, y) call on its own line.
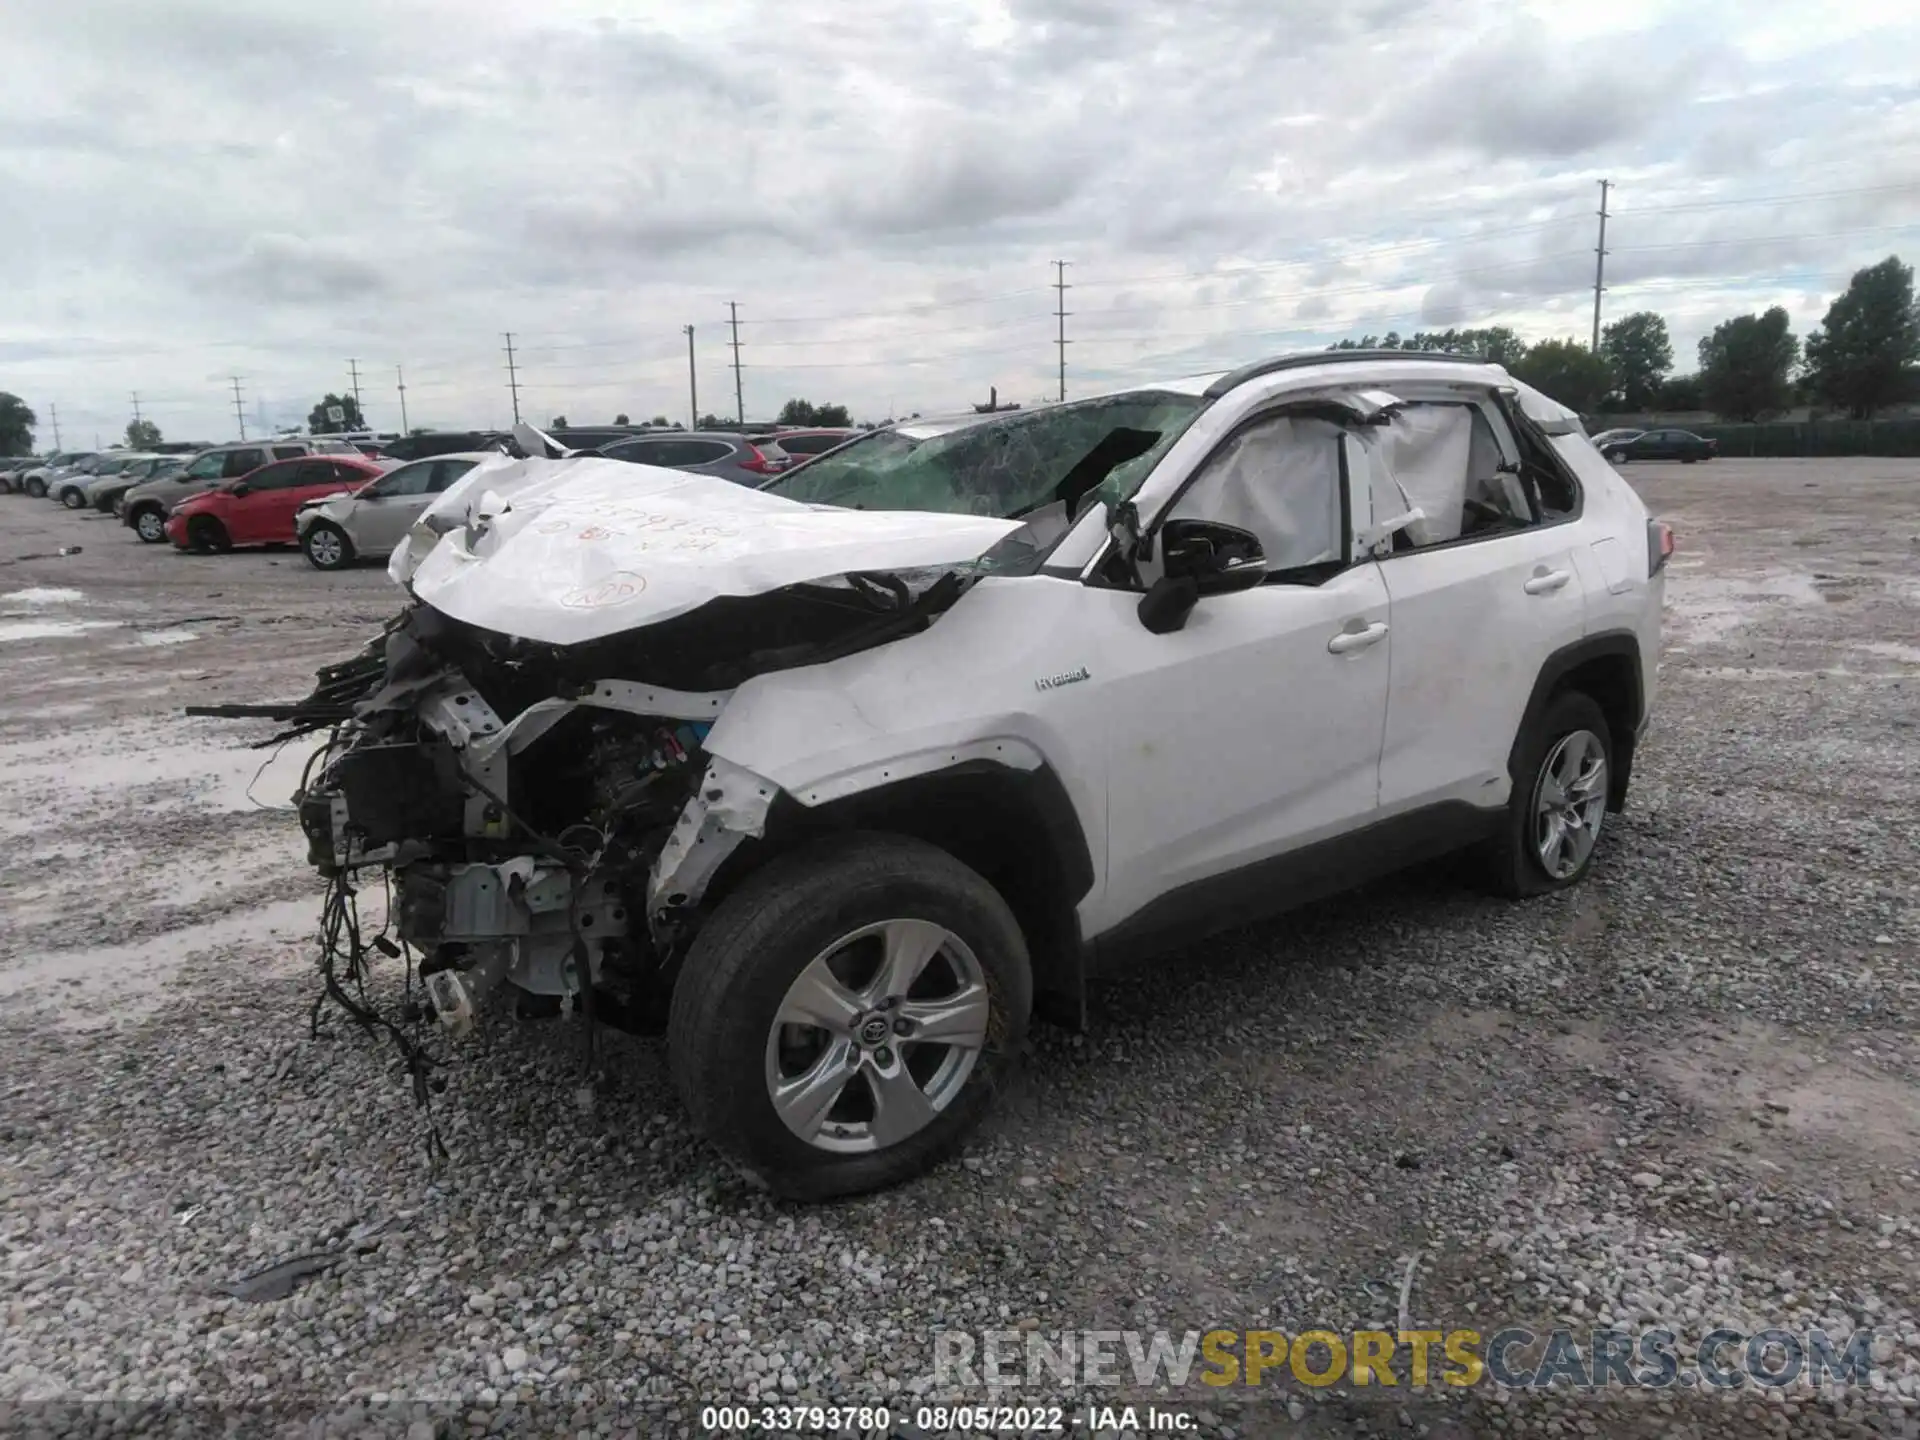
point(277, 1282)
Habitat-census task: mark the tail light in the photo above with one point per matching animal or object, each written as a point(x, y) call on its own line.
point(756, 462)
point(1659, 546)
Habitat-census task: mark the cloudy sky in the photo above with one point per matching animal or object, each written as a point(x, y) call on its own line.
point(200, 189)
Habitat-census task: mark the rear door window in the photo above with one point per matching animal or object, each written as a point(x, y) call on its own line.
point(240, 462)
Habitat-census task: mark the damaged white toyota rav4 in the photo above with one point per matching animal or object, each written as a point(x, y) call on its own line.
point(841, 778)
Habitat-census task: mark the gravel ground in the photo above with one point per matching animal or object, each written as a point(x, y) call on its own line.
point(1684, 1094)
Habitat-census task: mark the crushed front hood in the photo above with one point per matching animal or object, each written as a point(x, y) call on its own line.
point(564, 551)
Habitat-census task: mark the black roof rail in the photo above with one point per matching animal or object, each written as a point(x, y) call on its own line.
point(1235, 378)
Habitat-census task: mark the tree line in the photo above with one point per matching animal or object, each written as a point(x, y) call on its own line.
point(1863, 358)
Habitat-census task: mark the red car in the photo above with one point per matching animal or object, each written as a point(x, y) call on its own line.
point(258, 508)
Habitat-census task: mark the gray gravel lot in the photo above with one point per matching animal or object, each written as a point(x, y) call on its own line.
point(1687, 1093)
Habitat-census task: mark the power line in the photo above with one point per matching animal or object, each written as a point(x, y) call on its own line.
point(739, 405)
point(1599, 266)
point(513, 377)
point(239, 410)
point(1060, 314)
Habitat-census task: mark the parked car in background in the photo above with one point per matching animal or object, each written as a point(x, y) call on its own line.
point(803, 445)
point(1601, 440)
point(710, 452)
point(34, 481)
point(104, 490)
point(71, 489)
point(13, 467)
point(1681, 445)
point(144, 508)
point(334, 531)
point(594, 437)
point(258, 508)
point(444, 442)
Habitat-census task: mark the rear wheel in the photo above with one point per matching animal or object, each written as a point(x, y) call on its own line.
point(846, 1016)
point(1559, 800)
point(73, 499)
point(36, 488)
point(326, 546)
point(1618, 457)
point(206, 534)
point(150, 524)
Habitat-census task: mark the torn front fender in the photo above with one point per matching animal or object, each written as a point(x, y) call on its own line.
point(729, 808)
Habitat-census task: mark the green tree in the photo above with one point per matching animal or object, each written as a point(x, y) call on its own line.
point(16, 425)
point(1494, 343)
point(559, 422)
point(805, 412)
point(661, 421)
point(1567, 371)
point(142, 434)
point(319, 423)
point(1859, 357)
point(1639, 352)
point(1745, 364)
point(1679, 392)
point(621, 419)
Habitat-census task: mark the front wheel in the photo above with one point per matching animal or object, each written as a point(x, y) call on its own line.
point(326, 546)
point(36, 488)
point(150, 524)
point(846, 1016)
point(1559, 800)
point(1617, 457)
point(73, 499)
point(206, 534)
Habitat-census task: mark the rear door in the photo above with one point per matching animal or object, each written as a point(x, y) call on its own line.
point(1482, 592)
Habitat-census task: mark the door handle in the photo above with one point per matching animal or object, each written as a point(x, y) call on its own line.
point(1545, 582)
point(1348, 640)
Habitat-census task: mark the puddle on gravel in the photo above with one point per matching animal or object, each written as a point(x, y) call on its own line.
point(124, 982)
point(1709, 609)
point(50, 629)
point(38, 595)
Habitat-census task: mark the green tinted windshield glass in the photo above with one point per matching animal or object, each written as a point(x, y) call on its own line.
point(1004, 464)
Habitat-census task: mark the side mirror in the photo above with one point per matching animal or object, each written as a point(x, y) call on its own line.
point(241, 489)
point(1201, 557)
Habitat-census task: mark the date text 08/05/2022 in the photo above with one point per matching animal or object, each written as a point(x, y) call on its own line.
point(877, 1421)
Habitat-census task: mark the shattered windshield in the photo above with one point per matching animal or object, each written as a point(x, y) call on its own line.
point(1004, 465)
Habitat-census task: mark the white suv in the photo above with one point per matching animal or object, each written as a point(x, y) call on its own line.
point(841, 777)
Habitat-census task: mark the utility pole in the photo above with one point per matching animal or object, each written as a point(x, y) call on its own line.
point(401, 377)
point(739, 405)
point(1600, 264)
point(55, 411)
point(513, 378)
point(136, 407)
point(239, 411)
point(353, 369)
point(1060, 312)
point(693, 393)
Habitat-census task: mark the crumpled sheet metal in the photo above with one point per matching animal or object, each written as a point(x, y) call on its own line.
point(568, 550)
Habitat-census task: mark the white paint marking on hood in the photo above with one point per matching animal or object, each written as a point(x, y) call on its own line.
point(563, 551)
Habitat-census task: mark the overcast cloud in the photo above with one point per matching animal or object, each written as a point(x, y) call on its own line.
point(205, 188)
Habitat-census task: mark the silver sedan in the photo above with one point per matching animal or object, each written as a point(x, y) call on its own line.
point(372, 521)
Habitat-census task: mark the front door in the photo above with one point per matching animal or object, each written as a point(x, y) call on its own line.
point(1256, 728)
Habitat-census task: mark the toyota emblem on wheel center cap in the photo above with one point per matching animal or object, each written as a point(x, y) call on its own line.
point(874, 1030)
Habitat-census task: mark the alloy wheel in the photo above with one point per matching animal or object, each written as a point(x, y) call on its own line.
point(323, 548)
point(151, 525)
point(877, 1036)
point(1570, 803)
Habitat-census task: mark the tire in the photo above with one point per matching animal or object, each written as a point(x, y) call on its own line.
point(326, 546)
point(1512, 860)
point(1617, 457)
point(729, 1050)
point(1687, 459)
point(150, 524)
point(73, 499)
point(206, 534)
point(36, 488)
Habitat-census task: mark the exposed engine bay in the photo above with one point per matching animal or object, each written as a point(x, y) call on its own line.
point(543, 824)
